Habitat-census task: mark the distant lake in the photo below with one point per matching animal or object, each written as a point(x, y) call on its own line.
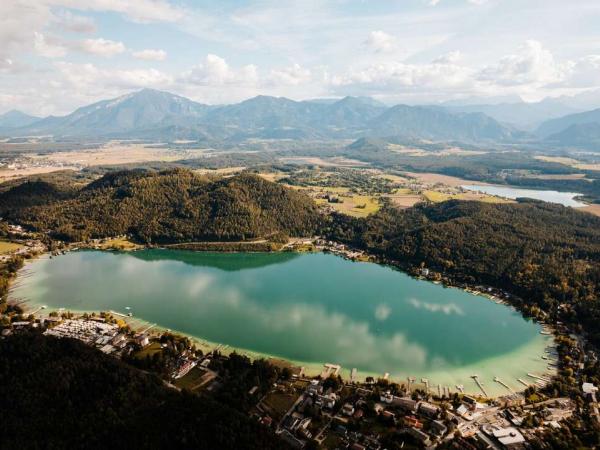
point(564, 198)
point(307, 308)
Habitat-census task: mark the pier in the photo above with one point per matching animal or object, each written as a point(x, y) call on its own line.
point(479, 384)
point(499, 381)
point(410, 380)
point(330, 369)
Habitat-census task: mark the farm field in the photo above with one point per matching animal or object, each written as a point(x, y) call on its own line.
point(8, 247)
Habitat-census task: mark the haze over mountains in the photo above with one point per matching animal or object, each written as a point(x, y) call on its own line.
point(152, 114)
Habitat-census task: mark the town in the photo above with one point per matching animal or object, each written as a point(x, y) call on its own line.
point(326, 410)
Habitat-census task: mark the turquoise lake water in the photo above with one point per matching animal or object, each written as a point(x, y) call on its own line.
point(564, 198)
point(307, 308)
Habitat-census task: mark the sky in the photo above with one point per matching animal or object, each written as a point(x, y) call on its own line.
point(57, 55)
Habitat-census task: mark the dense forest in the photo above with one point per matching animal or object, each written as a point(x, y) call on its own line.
point(547, 254)
point(162, 207)
point(73, 396)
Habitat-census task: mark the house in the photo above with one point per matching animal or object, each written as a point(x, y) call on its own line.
point(326, 401)
point(588, 389)
point(348, 409)
point(357, 446)
point(405, 403)
point(142, 340)
point(418, 435)
point(118, 339)
point(412, 421)
point(314, 388)
point(429, 410)
point(107, 349)
point(509, 437)
point(266, 421)
point(438, 428)
point(461, 410)
point(359, 413)
point(386, 397)
point(470, 401)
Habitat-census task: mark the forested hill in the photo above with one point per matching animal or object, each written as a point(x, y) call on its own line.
point(164, 207)
point(60, 393)
point(547, 254)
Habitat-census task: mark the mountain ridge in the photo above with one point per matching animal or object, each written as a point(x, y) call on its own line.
point(157, 114)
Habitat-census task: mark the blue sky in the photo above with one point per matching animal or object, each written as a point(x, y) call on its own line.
point(56, 55)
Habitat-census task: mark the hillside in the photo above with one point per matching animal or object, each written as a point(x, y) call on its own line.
point(427, 122)
point(15, 119)
point(73, 396)
point(582, 135)
point(165, 207)
point(555, 126)
point(523, 115)
point(142, 110)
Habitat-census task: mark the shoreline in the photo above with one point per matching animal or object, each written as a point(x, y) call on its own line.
point(314, 369)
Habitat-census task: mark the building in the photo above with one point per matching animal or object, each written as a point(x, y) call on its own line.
point(429, 410)
point(413, 422)
point(419, 436)
point(386, 397)
point(438, 428)
point(509, 437)
point(348, 409)
point(405, 403)
point(589, 389)
point(142, 340)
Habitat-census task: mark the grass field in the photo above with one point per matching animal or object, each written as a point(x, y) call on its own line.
point(192, 379)
point(354, 205)
point(569, 162)
point(148, 351)
point(120, 244)
point(435, 196)
point(279, 403)
point(8, 247)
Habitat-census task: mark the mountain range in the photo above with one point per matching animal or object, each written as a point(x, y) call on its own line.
point(151, 114)
point(14, 119)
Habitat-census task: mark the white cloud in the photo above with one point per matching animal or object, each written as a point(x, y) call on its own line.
point(533, 64)
point(380, 41)
point(382, 312)
point(76, 23)
point(291, 76)
point(150, 55)
point(449, 58)
point(101, 47)
point(585, 72)
point(397, 75)
point(215, 71)
point(449, 308)
point(88, 77)
point(48, 48)
point(143, 11)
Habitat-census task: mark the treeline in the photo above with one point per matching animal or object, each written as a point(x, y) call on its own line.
point(163, 207)
point(60, 393)
point(547, 254)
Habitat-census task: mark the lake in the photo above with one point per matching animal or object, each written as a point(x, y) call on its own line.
point(564, 198)
point(306, 308)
